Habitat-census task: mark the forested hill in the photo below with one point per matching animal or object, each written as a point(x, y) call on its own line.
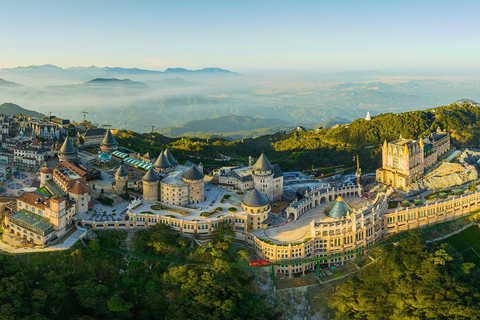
point(462, 121)
point(295, 150)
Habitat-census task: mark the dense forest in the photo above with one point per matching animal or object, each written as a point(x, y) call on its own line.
point(412, 280)
point(297, 150)
point(91, 283)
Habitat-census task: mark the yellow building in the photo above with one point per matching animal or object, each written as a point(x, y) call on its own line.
point(404, 160)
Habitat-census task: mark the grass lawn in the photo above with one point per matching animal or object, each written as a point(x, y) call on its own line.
point(280, 206)
point(462, 240)
point(43, 191)
point(175, 210)
point(392, 204)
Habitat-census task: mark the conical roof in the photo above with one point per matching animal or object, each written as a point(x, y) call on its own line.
point(162, 162)
point(121, 172)
point(150, 176)
point(262, 164)
point(170, 158)
point(67, 147)
point(338, 209)
point(109, 139)
point(255, 199)
point(193, 174)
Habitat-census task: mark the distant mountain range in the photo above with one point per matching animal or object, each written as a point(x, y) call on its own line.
point(231, 127)
point(5, 83)
point(11, 109)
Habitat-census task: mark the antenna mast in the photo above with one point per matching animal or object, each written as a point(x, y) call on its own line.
point(359, 171)
point(84, 115)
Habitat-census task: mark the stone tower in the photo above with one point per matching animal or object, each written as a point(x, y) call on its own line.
point(67, 152)
point(121, 180)
point(150, 182)
point(45, 174)
point(262, 175)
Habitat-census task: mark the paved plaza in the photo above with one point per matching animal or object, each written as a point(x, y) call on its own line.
point(297, 231)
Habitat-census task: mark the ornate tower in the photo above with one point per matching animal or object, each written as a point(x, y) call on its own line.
point(262, 175)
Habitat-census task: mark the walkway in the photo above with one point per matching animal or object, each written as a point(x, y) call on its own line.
point(66, 244)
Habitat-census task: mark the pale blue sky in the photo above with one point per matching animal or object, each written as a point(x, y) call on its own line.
point(241, 35)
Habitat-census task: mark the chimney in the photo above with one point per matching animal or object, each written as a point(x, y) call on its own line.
point(250, 161)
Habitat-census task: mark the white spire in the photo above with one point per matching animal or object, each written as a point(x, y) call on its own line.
point(368, 117)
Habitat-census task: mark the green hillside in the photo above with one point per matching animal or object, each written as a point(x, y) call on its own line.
point(333, 146)
point(11, 109)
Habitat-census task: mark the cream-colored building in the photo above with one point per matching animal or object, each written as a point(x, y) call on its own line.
point(39, 218)
point(173, 184)
point(257, 207)
point(263, 176)
point(404, 161)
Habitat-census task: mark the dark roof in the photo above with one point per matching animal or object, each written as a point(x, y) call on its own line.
point(150, 176)
point(170, 158)
point(193, 174)
point(255, 199)
point(94, 132)
point(67, 147)
point(147, 156)
point(438, 136)
point(263, 164)
point(277, 172)
point(109, 140)
point(338, 209)
point(162, 162)
point(121, 172)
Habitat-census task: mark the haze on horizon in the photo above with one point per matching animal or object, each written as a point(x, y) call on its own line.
point(245, 36)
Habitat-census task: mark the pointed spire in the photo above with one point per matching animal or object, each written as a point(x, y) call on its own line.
point(263, 164)
point(150, 176)
point(170, 158)
point(109, 139)
point(385, 144)
point(406, 150)
point(121, 172)
point(67, 147)
point(162, 162)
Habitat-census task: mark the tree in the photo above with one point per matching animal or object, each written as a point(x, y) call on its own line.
point(411, 281)
point(223, 235)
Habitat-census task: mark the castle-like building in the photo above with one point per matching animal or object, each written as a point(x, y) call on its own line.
point(262, 176)
point(405, 160)
point(171, 183)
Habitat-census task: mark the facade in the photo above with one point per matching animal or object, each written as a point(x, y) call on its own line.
point(92, 137)
point(43, 130)
point(39, 219)
point(65, 181)
point(168, 182)
point(180, 186)
point(404, 161)
point(263, 176)
point(257, 207)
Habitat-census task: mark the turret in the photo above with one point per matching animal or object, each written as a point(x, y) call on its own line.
point(150, 182)
point(46, 174)
point(67, 152)
point(109, 144)
point(121, 180)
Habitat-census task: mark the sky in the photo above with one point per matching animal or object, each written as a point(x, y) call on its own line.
point(241, 35)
